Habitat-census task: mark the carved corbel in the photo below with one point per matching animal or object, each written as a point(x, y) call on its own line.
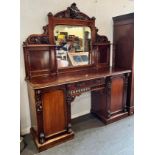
point(70, 98)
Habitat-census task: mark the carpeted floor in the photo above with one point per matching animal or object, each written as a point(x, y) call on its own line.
point(92, 137)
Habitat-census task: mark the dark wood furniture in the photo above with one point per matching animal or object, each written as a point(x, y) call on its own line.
point(51, 89)
point(123, 32)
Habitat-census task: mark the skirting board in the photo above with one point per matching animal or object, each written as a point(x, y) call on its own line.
point(25, 131)
point(80, 114)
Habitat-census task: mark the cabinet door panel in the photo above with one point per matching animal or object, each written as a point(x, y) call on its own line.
point(54, 114)
point(98, 102)
point(117, 94)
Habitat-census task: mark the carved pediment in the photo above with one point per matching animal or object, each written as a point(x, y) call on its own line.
point(72, 12)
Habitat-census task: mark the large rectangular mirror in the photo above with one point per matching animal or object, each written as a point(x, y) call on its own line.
point(73, 45)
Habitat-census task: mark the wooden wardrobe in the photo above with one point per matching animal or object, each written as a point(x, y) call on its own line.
point(123, 51)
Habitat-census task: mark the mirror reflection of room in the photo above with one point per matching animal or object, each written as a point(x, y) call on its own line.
point(73, 44)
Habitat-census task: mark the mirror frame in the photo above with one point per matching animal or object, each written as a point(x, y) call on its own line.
point(66, 18)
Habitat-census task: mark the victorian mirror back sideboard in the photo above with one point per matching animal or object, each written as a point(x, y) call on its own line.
point(68, 59)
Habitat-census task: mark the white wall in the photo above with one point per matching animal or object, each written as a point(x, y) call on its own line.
point(34, 16)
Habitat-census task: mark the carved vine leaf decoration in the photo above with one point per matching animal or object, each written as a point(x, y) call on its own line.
point(71, 12)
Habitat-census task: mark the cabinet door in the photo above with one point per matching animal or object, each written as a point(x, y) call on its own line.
point(109, 104)
point(117, 92)
point(54, 112)
point(98, 102)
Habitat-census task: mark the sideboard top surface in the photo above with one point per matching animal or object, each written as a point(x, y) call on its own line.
point(49, 81)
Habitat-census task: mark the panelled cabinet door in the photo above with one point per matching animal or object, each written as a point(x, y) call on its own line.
point(54, 112)
point(98, 102)
point(117, 95)
point(117, 87)
point(110, 104)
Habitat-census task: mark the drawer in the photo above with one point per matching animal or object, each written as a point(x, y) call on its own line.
point(84, 86)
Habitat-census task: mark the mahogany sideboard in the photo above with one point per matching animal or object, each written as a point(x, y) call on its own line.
point(52, 89)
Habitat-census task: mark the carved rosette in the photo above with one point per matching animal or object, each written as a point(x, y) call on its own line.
point(38, 101)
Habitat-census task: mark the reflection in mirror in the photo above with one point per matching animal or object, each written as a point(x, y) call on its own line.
point(73, 44)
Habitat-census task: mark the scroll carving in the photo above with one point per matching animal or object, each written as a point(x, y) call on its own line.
point(72, 12)
point(101, 38)
point(70, 98)
point(38, 39)
point(45, 28)
point(38, 101)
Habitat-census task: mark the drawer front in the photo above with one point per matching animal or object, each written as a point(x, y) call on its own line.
point(80, 87)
